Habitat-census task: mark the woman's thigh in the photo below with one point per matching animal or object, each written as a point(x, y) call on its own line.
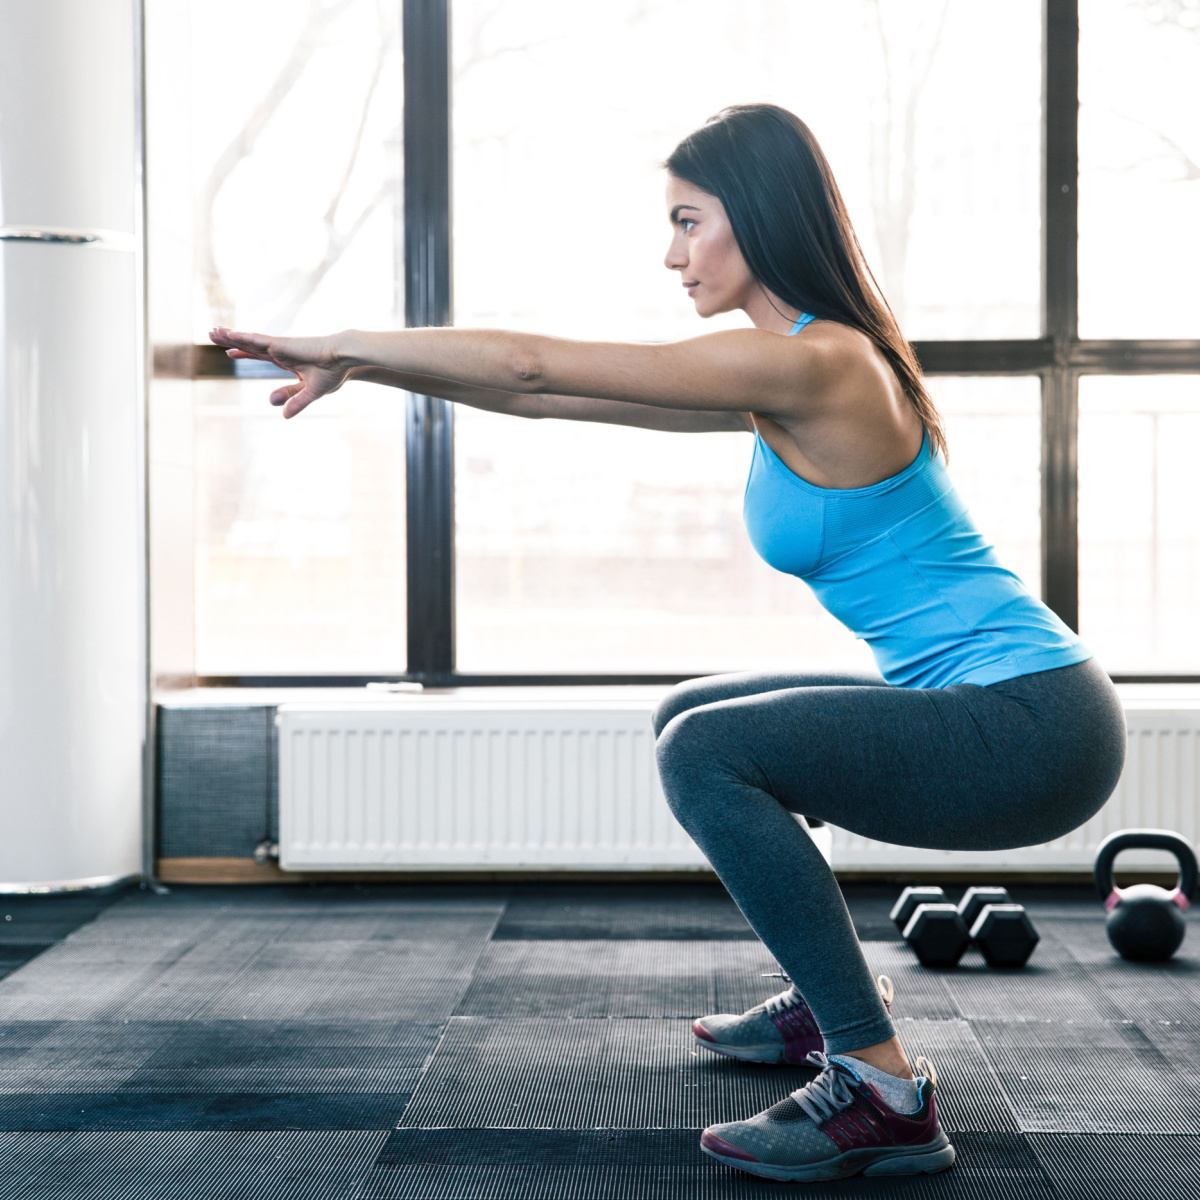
point(958, 768)
point(710, 688)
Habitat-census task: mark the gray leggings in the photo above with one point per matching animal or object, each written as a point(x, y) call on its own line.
point(957, 768)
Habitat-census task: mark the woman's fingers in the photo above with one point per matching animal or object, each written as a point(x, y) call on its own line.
point(298, 402)
point(282, 395)
point(254, 343)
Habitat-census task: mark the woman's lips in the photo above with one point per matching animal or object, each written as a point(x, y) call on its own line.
point(691, 287)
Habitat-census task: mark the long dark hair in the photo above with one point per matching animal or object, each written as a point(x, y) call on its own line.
point(791, 225)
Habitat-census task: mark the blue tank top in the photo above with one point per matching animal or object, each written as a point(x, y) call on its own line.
point(903, 566)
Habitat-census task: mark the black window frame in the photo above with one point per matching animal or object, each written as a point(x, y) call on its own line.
point(1059, 358)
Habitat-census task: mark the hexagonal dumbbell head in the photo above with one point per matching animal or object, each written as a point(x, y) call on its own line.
point(1004, 935)
point(909, 899)
point(974, 898)
point(937, 933)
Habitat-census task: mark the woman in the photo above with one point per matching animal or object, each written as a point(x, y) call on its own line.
point(992, 726)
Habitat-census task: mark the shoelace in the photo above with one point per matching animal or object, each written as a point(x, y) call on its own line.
point(833, 1091)
point(785, 1000)
point(829, 1093)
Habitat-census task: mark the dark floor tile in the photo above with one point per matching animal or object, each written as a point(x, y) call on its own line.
point(658, 912)
point(217, 1056)
point(659, 1164)
point(1108, 1166)
point(618, 978)
point(200, 1110)
point(569, 1074)
point(1089, 1078)
point(650, 912)
point(214, 1165)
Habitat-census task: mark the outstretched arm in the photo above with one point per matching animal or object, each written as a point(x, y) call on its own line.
point(732, 371)
point(566, 408)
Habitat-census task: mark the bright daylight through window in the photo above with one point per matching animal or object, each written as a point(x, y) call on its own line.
point(299, 559)
point(592, 549)
point(585, 548)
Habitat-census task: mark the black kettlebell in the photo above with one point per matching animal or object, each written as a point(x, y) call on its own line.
point(1145, 922)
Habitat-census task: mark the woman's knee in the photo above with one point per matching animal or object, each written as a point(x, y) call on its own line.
point(677, 701)
point(684, 752)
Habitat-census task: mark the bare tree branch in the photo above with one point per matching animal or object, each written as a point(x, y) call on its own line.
point(320, 15)
point(335, 246)
point(893, 208)
point(1175, 152)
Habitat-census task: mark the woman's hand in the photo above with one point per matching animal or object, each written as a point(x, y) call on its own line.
point(318, 366)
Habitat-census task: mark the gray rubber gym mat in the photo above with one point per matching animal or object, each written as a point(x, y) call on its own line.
point(524, 1074)
point(619, 979)
point(1120, 1167)
point(1091, 1078)
point(487, 1164)
point(326, 1165)
point(219, 1056)
point(1052, 986)
point(654, 912)
point(920, 992)
point(199, 1110)
point(146, 961)
point(969, 1095)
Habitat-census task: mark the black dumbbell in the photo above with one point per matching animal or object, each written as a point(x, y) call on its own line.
point(903, 909)
point(937, 934)
point(986, 917)
point(976, 898)
point(1004, 935)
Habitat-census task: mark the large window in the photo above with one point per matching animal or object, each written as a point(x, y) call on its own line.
point(1024, 181)
point(287, 135)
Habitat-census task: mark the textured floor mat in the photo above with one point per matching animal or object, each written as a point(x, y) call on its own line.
point(920, 992)
point(486, 1164)
point(1053, 986)
point(1119, 1167)
point(185, 1166)
point(198, 1110)
point(969, 1095)
point(655, 912)
point(619, 979)
point(208, 967)
point(221, 1056)
point(1090, 1078)
point(526, 1074)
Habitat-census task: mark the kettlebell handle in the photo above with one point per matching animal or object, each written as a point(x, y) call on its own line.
point(1146, 839)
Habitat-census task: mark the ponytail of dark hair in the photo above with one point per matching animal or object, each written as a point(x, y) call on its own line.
point(764, 165)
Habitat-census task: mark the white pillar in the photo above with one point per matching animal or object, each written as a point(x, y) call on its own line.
point(72, 543)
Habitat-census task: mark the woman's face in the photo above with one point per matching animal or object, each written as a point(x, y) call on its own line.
point(704, 252)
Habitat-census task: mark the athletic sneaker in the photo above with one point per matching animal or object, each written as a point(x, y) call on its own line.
point(838, 1125)
point(780, 1030)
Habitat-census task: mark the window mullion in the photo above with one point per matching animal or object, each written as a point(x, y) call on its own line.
point(428, 301)
point(1060, 278)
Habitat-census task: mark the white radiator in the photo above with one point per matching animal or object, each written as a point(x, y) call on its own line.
point(442, 783)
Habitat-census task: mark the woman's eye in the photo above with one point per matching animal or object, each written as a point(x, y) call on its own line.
point(686, 223)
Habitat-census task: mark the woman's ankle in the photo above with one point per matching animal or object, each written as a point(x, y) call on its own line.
point(886, 1056)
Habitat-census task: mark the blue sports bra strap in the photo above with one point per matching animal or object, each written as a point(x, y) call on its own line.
point(802, 320)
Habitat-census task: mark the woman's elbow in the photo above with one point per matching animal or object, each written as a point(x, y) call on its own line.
point(528, 373)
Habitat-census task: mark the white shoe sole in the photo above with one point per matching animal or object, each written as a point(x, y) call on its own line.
point(770, 1054)
point(914, 1160)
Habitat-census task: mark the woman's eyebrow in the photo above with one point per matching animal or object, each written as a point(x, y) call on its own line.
point(679, 207)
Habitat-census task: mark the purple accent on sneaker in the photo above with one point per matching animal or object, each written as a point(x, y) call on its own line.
point(699, 1031)
point(870, 1122)
point(710, 1141)
point(800, 1033)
